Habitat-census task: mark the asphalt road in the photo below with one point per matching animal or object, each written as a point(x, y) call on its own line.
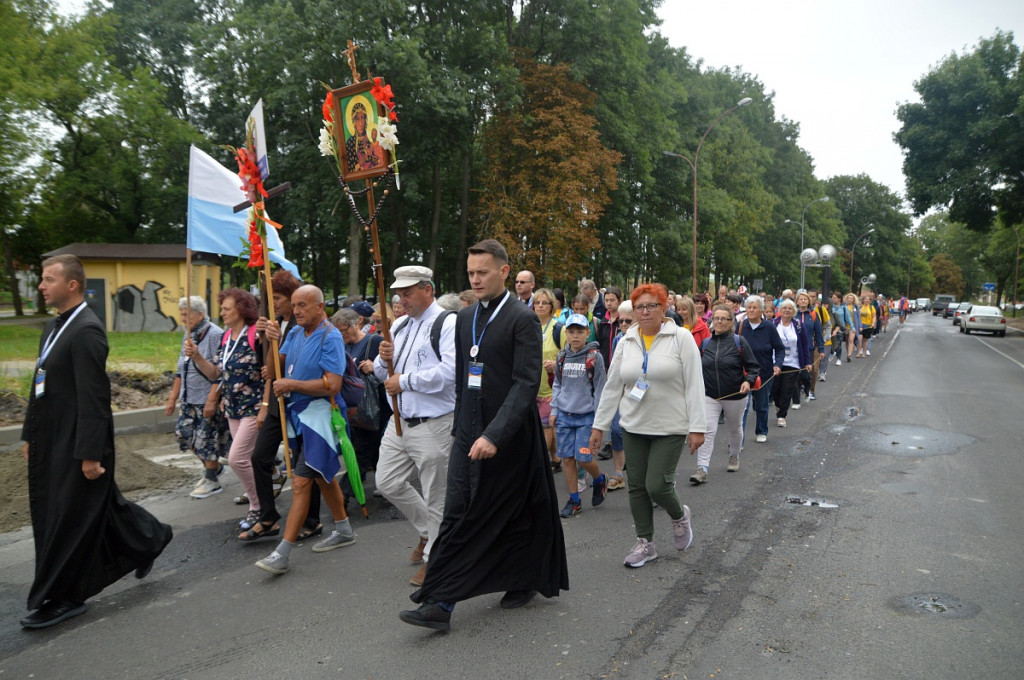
point(917, 573)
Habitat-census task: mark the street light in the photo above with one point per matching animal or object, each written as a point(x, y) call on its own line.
point(1016, 271)
point(869, 280)
point(853, 251)
point(822, 257)
point(693, 165)
point(823, 199)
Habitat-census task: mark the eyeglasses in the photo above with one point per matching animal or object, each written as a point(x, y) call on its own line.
point(522, 282)
point(652, 307)
point(625, 322)
point(540, 302)
point(721, 319)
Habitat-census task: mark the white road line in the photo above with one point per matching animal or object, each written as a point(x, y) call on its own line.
point(998, 351)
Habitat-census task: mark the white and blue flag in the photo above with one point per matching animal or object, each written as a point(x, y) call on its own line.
point(213, 226)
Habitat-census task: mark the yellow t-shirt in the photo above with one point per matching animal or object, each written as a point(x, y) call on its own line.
point(867, 316)
point(648, 339)
point(550, 351)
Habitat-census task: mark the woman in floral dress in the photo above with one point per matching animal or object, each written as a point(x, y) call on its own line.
point(240, 391)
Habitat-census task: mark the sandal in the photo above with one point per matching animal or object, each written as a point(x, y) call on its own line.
point(307, 532)
point(250, 520)
point(266, 530)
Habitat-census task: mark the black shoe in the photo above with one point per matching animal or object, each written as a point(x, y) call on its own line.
point(143, 571)
point(52, 613)
point(556, 466)
point(428, 616)
point(514, 599)
point(605, 453)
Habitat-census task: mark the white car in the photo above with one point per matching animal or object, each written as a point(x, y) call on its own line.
point(983, 319)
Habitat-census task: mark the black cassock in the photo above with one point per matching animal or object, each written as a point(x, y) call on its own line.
point(501, 529)
point(86, 534)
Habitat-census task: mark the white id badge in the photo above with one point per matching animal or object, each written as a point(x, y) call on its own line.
point(476, 375)
point(40, 383)
point(639, 390)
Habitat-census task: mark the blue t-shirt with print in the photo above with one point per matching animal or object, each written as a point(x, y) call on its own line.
point(307, 357)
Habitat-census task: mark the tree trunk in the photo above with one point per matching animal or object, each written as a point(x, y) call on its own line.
point(355, 241)
point(435, 218)
point(460, 259)
point(12, 275)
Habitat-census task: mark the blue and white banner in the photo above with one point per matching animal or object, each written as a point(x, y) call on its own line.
point(213, 227)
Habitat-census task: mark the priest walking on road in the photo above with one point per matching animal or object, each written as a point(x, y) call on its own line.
point(500, 530)
point(87, 535)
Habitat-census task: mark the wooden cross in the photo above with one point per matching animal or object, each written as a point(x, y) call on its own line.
point(350, 53)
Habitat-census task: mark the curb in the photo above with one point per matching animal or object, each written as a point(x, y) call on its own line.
point(138, 421)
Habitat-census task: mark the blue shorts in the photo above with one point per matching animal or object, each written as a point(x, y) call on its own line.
point(572, 432)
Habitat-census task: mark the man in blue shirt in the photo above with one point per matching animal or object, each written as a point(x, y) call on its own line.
point(313, 362)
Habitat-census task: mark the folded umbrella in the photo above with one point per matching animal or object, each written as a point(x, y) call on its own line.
point(348, 454)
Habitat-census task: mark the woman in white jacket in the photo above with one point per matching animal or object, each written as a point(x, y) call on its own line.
point(656, 384)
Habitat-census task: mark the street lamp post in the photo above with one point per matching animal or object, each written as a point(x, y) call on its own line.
point(693, 165)
point(803, 213)
point(822, 257)
point(869, 279)
point(853, 251)
point(1016, 271)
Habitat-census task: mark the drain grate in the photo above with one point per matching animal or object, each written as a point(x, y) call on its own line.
point(810, 502)
point(935, 604)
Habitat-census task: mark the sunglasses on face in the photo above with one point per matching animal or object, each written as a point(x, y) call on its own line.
point(625, 322)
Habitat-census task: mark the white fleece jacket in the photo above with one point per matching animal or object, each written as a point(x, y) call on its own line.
point(674, 403)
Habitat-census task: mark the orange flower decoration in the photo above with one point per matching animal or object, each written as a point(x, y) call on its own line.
point(329, 107)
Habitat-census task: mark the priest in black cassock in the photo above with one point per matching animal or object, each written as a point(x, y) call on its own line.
point(501, 530)
point(86, 534)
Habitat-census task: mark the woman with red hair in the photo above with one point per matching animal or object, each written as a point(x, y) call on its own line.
point(656, 384)
point(240, 390)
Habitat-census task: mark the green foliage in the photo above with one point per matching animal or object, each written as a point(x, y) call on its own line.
point(964, 142)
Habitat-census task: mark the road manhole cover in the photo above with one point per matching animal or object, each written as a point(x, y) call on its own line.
point(935, 604)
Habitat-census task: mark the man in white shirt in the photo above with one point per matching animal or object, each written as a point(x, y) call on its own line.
point(424, 383)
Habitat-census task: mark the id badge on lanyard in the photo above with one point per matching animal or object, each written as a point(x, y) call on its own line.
point(474, 379)
point(40, 382)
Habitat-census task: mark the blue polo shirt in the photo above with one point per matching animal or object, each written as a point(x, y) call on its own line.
point(307, 357)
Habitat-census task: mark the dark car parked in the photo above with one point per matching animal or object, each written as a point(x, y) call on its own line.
point(949, 310)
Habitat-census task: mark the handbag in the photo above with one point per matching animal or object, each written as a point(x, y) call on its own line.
point(366, 413)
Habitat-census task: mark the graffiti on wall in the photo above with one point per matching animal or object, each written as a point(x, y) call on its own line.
point(139, 310)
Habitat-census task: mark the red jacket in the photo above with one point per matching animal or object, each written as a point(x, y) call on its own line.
point(700, 331)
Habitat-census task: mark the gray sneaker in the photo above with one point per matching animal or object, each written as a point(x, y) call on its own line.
point(699, 477)
point(206, 488)
point(642, 553)
point(734, 464)
point(335, 540)
point(682, 531)
point(275, 563)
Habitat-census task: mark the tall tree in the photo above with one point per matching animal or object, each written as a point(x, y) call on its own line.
point(548, 177)
point(963, 143)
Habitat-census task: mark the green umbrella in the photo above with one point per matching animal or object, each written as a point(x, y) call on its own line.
point(348, 453)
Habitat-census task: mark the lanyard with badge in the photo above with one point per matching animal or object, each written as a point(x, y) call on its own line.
point(476, 369)
point(40, 378)
point(640, 388)
point(229, 348)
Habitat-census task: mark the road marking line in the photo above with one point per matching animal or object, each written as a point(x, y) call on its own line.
point(998, 351)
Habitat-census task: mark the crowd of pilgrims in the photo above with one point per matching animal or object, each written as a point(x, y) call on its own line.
point(750, 351)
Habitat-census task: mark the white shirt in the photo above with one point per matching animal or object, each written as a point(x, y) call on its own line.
point(789, 339)
point(428, 385)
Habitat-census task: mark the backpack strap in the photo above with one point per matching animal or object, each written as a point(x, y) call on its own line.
point(435, 331)
point(556, 333)
point(591, 363)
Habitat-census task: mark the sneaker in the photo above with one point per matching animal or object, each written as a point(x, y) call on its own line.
point(642, 553)
point(811, 396)
point(821, 378)
point(761, 438)
point(605, 453)
point(335, 540)
point(571, 509)
point(839, 361)
point(206, 488)
point(734, 464)
point(699, 477)
point(615, 483)
point(795, 406)
point(868, 352)
point(275, 563)
point(781, 422)
point(681, 530)
point(600, 491)
point(251, 518)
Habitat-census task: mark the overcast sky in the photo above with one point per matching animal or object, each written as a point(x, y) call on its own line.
point(839, 69)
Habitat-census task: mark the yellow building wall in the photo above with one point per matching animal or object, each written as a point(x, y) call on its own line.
point(143, 295)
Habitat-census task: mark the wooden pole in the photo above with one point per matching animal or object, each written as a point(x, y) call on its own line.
point(188, 290)
point(275, 353)
point(378, 274)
